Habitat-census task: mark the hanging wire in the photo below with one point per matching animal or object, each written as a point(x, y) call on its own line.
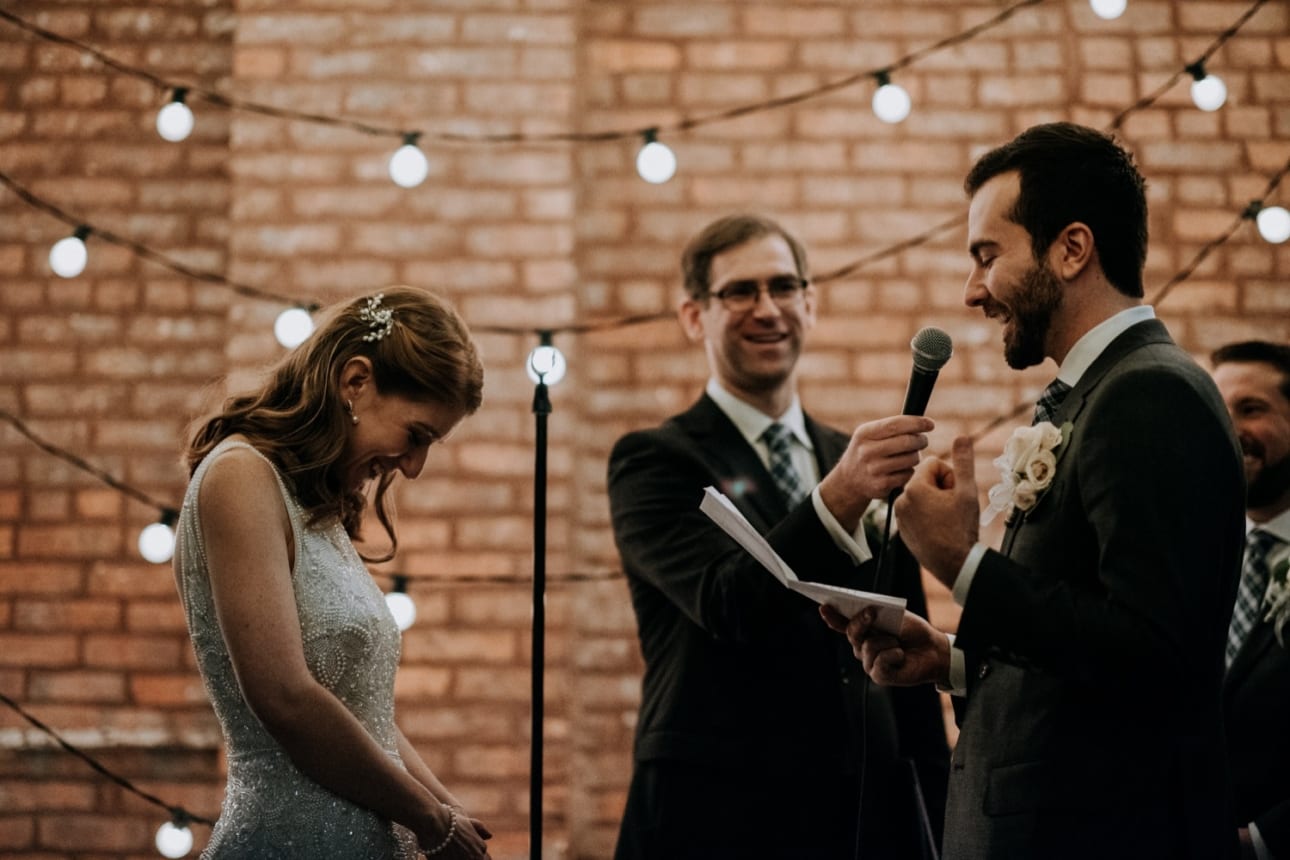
point(176, 812)
point(684, 124)
point(1152, 97)
point(143, 251)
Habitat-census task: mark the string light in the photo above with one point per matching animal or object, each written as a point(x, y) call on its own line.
point(408, 165)
point(1273, 222)
point(1207, 91)
point(891, 103)
point(174, 838)
point(69, 255)
point(655, 162)
point(546, 364)
point(293, 327)
point(1108, 10)
point(157, 541)
point(400, 603)
point(175, 120)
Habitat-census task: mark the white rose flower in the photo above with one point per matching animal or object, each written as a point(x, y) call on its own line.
point(1027, 467)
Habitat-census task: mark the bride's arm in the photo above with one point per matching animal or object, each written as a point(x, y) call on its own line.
point(247, 533)
point(421, 771)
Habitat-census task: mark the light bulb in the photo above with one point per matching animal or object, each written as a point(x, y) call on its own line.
point(546, 364)
point(1274, 224)
point(68, 256)
point(1209, 93)
point(174, 840)
point(175, 121)
point(402, 608)
point(1108, 9)
point(408, 166)
point(655, 162)
point(891, 103)
point(157, 543)
point(292, 327)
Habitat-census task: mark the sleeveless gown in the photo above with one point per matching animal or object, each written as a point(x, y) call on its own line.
point(271, 810)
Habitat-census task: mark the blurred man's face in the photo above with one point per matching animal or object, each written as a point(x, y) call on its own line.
point(1261, 416)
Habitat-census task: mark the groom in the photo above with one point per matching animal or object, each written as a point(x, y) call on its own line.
point(1089, 657)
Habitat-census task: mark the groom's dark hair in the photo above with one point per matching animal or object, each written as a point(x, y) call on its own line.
point(1072, 173)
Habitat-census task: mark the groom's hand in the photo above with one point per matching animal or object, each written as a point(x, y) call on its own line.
point(939, 513)
point(919, 654)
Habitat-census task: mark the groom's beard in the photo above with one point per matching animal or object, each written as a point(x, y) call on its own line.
point(1271, 483)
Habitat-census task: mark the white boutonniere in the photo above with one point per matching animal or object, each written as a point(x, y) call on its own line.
point(1277, 600)
point(1026, 468)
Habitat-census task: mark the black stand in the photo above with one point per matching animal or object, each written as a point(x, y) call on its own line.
point(541, 409)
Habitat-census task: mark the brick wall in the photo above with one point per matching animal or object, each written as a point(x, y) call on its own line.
point(114, 363)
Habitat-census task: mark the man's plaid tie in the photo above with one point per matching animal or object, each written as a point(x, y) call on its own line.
point(779, 439)
point(1249, 595)
point(1048, 403)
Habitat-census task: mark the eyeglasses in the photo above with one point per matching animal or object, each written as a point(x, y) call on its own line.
point(784, 290)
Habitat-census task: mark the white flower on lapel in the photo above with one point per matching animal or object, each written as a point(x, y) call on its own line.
point(1277, 600)
point(1026, 468)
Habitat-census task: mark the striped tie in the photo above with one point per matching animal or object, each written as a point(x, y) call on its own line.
point(779, 439)
point(1249, 595)
point(1050, 401)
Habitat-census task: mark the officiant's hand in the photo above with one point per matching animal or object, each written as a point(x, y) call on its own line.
point(880, 457)
point(939, 512)
point(920, 654)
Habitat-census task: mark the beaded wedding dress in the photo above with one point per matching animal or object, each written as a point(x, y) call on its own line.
point(271, 810)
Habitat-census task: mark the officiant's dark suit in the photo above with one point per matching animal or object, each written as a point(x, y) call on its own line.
point(1090, 724)
point(755, 721)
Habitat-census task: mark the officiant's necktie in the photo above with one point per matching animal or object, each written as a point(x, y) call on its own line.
point(1048, 403)
point(779, 440)
point(1249, 595)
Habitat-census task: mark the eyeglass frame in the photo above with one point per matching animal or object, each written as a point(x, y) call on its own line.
point(748, 301)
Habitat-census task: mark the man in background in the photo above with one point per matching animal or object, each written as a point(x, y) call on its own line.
point(1254, 379)
point(1089, 655)
point(755, 731)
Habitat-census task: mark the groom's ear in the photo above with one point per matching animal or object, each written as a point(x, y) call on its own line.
point(1072, 251)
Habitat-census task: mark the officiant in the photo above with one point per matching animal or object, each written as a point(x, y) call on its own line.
point(757, 732)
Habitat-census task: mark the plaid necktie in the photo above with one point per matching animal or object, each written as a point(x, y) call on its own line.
point(1249, 595)
point(1050, 400)
point(779, 439)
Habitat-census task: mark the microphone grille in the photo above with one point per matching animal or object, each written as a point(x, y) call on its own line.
point(932, 348)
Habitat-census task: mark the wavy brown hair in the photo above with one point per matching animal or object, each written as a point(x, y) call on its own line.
point(298, 419)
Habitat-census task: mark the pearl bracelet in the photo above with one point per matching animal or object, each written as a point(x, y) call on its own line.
point(452, 831)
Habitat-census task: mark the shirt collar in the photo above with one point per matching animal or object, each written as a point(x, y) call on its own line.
point(752, 422)
point(1097, 339)
point(1278, 525)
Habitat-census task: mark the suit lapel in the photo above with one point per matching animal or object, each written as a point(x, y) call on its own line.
point(1131, 339)
point(737, 470)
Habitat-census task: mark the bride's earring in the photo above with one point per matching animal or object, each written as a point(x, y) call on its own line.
point(349, 404)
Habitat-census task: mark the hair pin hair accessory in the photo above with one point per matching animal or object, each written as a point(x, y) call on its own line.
point(380, 320)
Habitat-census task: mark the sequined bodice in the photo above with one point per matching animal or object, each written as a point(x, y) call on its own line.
point(351, 645)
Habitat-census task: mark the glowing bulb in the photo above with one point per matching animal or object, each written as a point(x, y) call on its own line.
point(402, 608)
point(175, 121)
point(655, 163)
point(546, 364)
point(408, 166)
point(292, 327)
point(1209, 93)
point(1108, 9)
point(1274, 224)
point(68, 256)
point(174, 840)
point(157, 543)
point(891, 103)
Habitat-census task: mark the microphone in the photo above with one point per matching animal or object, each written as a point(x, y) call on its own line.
point(932, 348)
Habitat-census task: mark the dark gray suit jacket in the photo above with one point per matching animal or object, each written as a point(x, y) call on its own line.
point(1256, 699)
point(751, 729)
point(1091, 726)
